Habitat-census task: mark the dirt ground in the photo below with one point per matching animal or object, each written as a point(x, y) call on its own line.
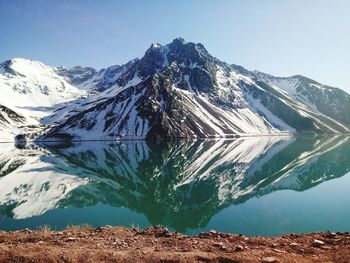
point(119, 244)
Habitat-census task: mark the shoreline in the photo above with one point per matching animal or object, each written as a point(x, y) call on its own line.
point(157, 244)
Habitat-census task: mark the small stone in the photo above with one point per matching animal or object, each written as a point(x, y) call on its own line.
point(294, 244)
point(220, 245)
point(330, 235)
point(239, 248)
point(213, 232)
point(246, 239)
point(195, 242)
point(317, 243)
point(71, 239)
point(100, 229)
point(326, 247)
point(269, 260)
point(217, 244)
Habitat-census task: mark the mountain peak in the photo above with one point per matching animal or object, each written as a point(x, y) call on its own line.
point(180, 43)
point(179, 40)
point(155, 46)
point(23, 67)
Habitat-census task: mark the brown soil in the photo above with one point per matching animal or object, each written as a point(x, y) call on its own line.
point(117, 244)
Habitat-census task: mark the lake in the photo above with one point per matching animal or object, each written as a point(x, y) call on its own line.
point(253, 186)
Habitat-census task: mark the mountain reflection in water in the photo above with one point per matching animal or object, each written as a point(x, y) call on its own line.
point(180, 184)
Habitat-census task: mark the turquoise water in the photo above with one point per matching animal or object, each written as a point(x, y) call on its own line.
point(252, 186)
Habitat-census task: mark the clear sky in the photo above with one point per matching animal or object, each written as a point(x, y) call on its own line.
point(281, 37)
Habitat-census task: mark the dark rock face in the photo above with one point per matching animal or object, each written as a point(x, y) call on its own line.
point(6, 65)
point(332, 102)
point(14, 116)
point(76, 75)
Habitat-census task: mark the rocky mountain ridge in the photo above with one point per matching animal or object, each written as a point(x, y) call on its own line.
point(177, 90)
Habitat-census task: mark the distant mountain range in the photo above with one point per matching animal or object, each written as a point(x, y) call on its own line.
point(174, 91)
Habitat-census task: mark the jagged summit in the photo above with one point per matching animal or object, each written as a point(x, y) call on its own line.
point(177, 90)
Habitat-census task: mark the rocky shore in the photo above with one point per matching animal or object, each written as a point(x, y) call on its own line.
point(156, 244)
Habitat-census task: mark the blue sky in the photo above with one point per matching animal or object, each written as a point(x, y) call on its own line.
point(279, 37)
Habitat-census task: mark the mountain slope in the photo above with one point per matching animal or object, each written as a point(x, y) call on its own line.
point(330, 101)
point(29, 91)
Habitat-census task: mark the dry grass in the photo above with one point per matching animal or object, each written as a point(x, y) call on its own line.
point(45, 228)
point(76, 228)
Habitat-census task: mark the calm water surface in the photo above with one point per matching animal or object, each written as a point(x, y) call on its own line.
point(253, 186)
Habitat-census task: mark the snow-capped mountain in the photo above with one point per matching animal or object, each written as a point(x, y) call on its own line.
point(29, 92)
point(32, 92)
point(174, 91)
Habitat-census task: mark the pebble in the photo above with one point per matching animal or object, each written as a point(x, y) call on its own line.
point(220, 245)
point(326, 247)
point(317, 243)
point(217, 244)
point(294, 244)
point(269, 260)
point(239, 248)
